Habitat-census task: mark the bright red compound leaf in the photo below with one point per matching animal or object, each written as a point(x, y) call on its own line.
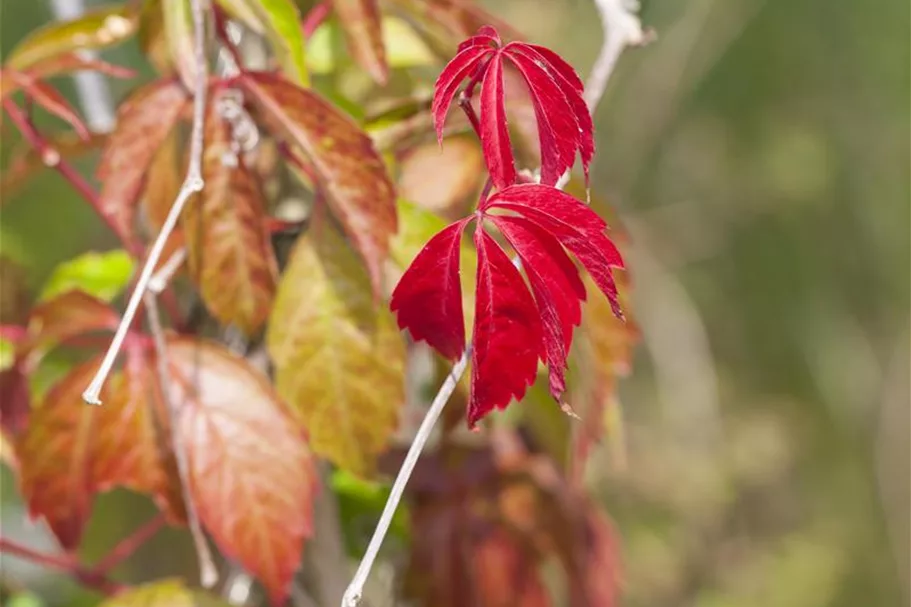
point(564, 123)
point(512, 329)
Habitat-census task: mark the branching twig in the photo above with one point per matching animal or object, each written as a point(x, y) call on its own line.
point(128, 545)
point(622, 28)
point(616, 19)
point(66, 563)
point(191, 185)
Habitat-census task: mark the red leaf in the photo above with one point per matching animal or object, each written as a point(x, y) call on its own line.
point(494, 132)
point(428, 298)
point(251, 474)
point(564, 122)
point(462, 65)
point(47, 97)
point(574, 224)
point(143, 123)
point(557, 288)
point(558, 129)
point(15, 403)
point(507, 333)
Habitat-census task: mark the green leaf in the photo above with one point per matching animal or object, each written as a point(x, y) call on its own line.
point(280, 21)
point(360, 502)
point(103, 275)
point(98, 28)
point(404, 47)
point(339, 356)
point(7, 354)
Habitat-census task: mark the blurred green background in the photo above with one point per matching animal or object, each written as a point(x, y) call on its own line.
point(758, 154)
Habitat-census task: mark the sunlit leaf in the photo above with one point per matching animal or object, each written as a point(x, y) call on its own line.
point(162, 593)
point(64, 317)
point(404, 47)
point(243, 450)
point(70, 451)
point(231, 255)
point(102, 275)
point(339, 358)
point(448, 22)
point(350, 171)
point(177, 21)
point(360, 20)
point(143, 123)
point(96, 28)
point(280, 21)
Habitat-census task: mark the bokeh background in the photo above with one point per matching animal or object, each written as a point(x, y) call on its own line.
point(758, 154)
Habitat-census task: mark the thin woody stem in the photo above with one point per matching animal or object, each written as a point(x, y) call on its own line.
point(65, 563)
point(130, 544)
point(52, 158)
point(192, 184)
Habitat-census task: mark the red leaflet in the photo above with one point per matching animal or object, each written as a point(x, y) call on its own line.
point(428, 299)
point(47, 97)
point(564, 123)
point(512, 330)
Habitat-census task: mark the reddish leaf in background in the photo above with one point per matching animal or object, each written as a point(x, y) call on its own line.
point(512, 329)
point(564, 123)
point(143, 122)
point(251, 474)
point(71, 451)
point(64, 317)
point(435, 286)
point(362, 24)
point(48, 98)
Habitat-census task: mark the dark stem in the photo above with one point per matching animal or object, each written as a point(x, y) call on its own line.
point(52, 158)
point(65, 563)
point(130, 544)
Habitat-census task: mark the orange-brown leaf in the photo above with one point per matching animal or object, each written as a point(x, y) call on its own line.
point(350, 171)
point(143, 122)
point(361, 22)
point(70, 451)
point(231, 255)
point(250, 472)
point(64, 317)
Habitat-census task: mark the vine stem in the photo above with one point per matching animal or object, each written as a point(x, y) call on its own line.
point(192, 184)
point(617, 17)
point(356, 588)
point(130, 544)
point(87, 577)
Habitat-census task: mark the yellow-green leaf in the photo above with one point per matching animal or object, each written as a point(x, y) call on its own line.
point(103, 275)
point(162, 593)
point(364, 33)
point(97, 28)
point(177, 19)
point(280, 21)
point(404, 47)
point(339, 357)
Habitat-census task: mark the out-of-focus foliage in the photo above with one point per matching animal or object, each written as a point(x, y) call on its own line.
point(757, 155)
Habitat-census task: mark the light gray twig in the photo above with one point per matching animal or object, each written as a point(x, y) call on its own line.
point(191, 185)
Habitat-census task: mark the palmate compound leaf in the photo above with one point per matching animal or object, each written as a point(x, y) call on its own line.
point(511, 330)
point(69, 451)
point(339, 360)
point(351, 173)
point(564, 123)
point(251, 474)
point(360, 19)
point(143, 123)
point(230, 252)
